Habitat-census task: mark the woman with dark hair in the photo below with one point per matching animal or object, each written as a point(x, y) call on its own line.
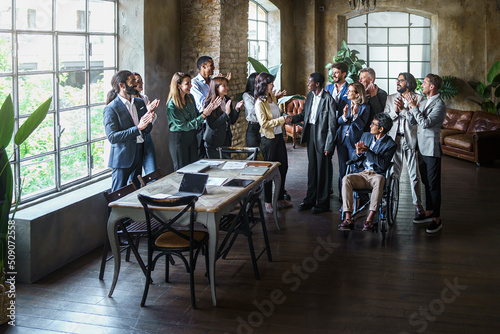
point(218, 131)
point(253, 129)
point(272, 143)
point(351, 125)
point(183, 120)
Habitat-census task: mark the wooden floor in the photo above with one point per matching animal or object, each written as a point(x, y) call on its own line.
point(319, 281)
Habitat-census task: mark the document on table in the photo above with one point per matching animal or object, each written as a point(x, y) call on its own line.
point(216, 181)
point(235, 165)
point(213, 163)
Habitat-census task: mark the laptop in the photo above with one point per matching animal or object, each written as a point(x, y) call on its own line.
point(254, 171)
point(192, 184)
point(195, 167)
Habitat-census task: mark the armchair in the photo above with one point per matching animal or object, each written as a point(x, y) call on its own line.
point(293, 107)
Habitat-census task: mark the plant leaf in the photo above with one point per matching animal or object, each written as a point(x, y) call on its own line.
point(344, 45)
point(273, 70)
point(7, 122)
point(257, 65)
point(354, 52)
point(32, 122)
point(480, 89)
point(493, 72)
point(497, 92)
point(328, 66)
point(287, 98)
point(6, 184)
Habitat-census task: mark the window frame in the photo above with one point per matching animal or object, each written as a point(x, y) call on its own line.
point(264, 61)
point(408, 25)
point(57, 151)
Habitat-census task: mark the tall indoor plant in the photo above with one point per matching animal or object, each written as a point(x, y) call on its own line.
point(6, 178)
point(348, 56)
point(487, 93)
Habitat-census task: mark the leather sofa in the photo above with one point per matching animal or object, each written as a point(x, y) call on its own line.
point(293, 107)
point(471, 135)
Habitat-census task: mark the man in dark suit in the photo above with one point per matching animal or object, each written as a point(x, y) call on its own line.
point(373, 156)
point(320, 125)
point(127, 123)
point(429, 116)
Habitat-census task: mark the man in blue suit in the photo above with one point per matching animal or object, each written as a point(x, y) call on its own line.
point(337, 89)
point(127, 123)
point(373, 156)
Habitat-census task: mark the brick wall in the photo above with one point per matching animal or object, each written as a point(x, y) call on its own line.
point(218, 28)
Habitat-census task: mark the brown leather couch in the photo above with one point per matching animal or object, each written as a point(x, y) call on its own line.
point(473, 136)
point(294, 107)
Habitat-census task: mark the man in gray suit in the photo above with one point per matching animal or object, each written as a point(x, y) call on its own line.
point(405, 136)
point(320, 125)
point(429, 116)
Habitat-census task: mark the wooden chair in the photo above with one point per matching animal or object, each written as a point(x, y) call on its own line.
point(251, 151)
point(242, 223)
point(151, 177)
point(129, 230)
point(169, 241)
point(293, 107)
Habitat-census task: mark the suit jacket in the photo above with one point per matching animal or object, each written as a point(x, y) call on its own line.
point(326, 122)
point(265, 117)
point(219, 126)
point(381, 156)
point(355, 127)
point(409, 130)
point(122, 132)
point(343, 97)
point(430, 117)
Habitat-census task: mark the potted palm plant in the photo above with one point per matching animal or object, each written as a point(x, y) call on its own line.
point(7, 256)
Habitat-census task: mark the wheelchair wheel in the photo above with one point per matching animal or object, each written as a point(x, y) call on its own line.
point(392, 200)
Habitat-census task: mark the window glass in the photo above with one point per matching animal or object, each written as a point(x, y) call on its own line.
point(35, 52)
point(5, 15)
point(98, 156)
point(101, 14)
point(398, 36)
point(96, 122)
point(72, 89)
point(33, 91)
point(5, 53)
point(73, 127)
point(38, 175)
point(72, 53)
point(103, 51)
point(33, 14)
point(73, 164)
point(377, 35)
point(71, 15)
point(41, 140)
point(99, 83)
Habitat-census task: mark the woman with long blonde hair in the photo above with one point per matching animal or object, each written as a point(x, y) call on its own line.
point(184, 119)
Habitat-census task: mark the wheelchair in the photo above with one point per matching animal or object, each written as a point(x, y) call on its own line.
point(388, 208)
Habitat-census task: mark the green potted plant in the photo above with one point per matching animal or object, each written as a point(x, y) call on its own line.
point(448, 90)
point(488, 94)
point(348, 56)
point(6, 185)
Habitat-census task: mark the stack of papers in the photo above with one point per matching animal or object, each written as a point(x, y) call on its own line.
point(235, 165)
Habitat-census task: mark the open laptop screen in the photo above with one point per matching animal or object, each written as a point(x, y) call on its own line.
point(193, 183)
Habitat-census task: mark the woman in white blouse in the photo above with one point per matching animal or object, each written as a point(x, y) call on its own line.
point(272, 142)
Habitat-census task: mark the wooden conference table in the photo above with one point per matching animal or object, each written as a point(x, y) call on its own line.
point(210, 207)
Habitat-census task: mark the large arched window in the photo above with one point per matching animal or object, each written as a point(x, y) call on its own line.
point(257, 32)
point(392, 42)
point(264, 34)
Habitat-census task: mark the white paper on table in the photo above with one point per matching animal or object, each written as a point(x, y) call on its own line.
point(216, 181)
point(235, 165)
point(159, 196)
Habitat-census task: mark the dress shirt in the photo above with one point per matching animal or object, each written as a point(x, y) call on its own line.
point(275, 110)
point(336, 92)
point(314, 107)
point(133, 112)
point(373, 146)
point(199, 90)
point(250, 107)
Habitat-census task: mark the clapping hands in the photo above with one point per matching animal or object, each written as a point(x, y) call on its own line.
point(279, 93)
point(361, 147)
point(214, 104)
point(153, 105)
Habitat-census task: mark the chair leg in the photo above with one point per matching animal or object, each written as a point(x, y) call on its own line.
point(191, 278)
point(266, 239)
point(252, 256)
point(103, 259)
point(167, 267)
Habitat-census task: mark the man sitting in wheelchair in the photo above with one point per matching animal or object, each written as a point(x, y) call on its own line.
point(372, 159)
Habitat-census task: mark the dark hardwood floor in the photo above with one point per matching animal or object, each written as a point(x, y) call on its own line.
point(320, 281)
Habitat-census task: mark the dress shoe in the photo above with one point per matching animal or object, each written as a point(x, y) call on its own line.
point(434, 226)
point(286, 196)
point(421, 219)
point(305, 206)
point(318, 209)
point(284, 204)
point(346, 226)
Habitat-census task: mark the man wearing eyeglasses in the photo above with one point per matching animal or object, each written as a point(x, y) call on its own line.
point(405, 136)
point(373, 156)
point(375, 95)
point(429, 117)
